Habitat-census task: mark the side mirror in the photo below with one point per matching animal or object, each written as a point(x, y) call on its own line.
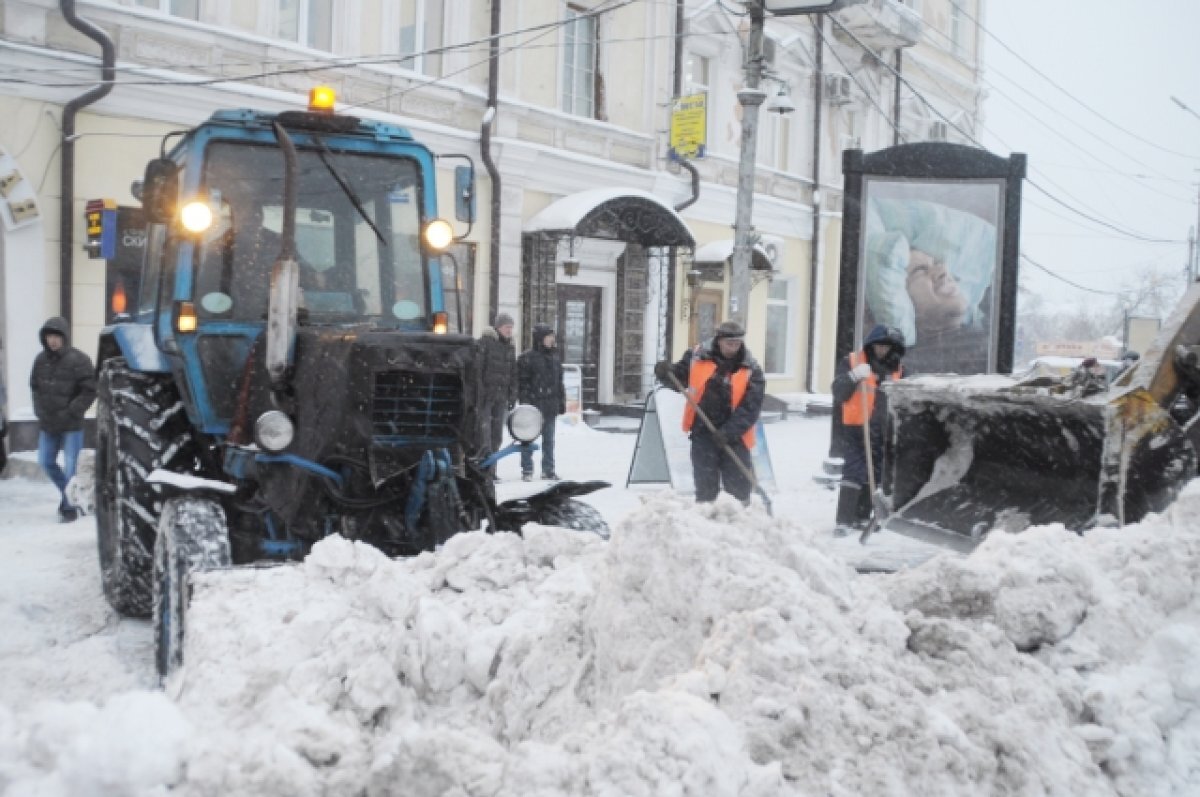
point(464, 194)
point(160, 190)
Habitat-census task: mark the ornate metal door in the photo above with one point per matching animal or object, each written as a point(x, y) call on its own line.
point(579, 334)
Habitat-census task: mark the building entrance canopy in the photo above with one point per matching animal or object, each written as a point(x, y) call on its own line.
point(614, 214)
point(719, 253)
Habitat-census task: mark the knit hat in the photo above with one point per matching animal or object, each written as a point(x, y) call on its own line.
point(730, 329)
point(502, 319)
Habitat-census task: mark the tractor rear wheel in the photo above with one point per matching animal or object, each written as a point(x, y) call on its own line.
point(141, 426)
point(192, 536)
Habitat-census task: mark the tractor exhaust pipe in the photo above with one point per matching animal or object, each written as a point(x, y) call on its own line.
point(285, 278)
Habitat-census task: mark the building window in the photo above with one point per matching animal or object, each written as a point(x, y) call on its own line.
point(958, 30)
point(417, 26)
point(308, 22)
point(780, 321)
point(579, 63)
point(188, 9)
point(774, 138)
point(699, 73)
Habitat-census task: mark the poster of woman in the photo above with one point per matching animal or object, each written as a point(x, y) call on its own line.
point(930, 250)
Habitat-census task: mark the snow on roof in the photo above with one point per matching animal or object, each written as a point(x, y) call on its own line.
point(566, 213)
point(722, 250)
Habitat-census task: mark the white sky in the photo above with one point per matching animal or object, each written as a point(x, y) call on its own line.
point(1124, 61)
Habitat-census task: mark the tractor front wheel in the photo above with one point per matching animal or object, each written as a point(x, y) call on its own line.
point(192, 537)
point(141, 425)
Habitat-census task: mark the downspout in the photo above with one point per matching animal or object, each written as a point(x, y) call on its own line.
point(673, 262)
point(810, 377)
point(485, 145)
point(66, 212)
point(899, 67)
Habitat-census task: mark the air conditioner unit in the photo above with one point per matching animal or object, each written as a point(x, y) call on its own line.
point(939, 131)
point(837, 89)
point(770, 51)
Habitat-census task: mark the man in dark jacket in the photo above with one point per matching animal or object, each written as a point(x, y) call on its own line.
point(539, 374)
point(728, 385)
point(497, 381)
point(857, 400)
point(63, 384)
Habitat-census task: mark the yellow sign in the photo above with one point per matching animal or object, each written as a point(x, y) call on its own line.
point(689, 126)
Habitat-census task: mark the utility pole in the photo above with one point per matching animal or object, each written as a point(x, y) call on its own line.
point(1194, 248)
point(1190, 272)
point(751, 99)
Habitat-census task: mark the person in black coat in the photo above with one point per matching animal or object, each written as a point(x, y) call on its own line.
point(728, 385)
point(539, 377)
point(63, 384)
point(857, 399)
point(497, 381)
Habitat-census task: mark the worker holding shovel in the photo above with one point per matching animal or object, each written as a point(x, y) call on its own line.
point(724, 386)
point(863, 409)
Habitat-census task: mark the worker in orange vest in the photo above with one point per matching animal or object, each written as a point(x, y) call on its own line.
point(856, 396)
point(727, 383)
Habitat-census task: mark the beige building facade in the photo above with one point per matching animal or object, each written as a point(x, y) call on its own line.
point(583, 94)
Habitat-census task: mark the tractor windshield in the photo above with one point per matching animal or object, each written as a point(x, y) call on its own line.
point(359, 263)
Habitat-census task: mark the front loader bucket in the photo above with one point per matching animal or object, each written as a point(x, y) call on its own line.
point(967, 456)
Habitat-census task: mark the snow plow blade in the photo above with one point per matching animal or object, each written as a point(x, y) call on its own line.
point(968, 455)
point(968, 461)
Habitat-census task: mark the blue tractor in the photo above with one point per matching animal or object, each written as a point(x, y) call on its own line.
point(287, 372)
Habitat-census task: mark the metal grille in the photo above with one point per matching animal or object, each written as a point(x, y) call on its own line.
point(410, 407)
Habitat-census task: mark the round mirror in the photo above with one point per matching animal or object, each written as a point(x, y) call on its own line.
point(406, 310)
point(217, 302)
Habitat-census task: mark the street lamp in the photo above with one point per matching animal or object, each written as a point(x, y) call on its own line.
point(751, 98)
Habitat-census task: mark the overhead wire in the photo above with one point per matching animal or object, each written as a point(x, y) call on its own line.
point(918, 95)
point(1071, 96)
point(969, 137)
point(339, 63)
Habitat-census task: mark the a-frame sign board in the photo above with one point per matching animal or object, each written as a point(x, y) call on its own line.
point(663, 452)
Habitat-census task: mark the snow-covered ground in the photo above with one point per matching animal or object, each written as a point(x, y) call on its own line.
point(702, 651)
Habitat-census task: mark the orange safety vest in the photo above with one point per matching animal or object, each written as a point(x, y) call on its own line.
point(852, 408)
point(698, 376)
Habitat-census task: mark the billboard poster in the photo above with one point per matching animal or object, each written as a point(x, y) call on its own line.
point(930, 243)
point(930, 255)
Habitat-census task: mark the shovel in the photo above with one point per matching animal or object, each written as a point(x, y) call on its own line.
point(877, 503)
point(720, 438)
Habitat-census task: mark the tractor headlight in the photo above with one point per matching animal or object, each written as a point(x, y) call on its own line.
point(196, 216)
point(525, 423)
point(274, 431)
point(438, 234)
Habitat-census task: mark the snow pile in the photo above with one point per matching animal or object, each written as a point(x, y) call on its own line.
point(702, 651)
point(132, 745)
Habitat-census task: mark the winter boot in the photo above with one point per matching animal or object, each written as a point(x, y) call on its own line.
point(865, 509)
point(849, 498)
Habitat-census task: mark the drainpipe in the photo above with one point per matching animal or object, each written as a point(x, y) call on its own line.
point(818, 21)
point(66, 232)
point(673, 261)
point(899, 67)
point(485, 144)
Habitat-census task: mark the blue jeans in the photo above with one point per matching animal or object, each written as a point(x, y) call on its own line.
point(547, 450)
point(49, 444)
